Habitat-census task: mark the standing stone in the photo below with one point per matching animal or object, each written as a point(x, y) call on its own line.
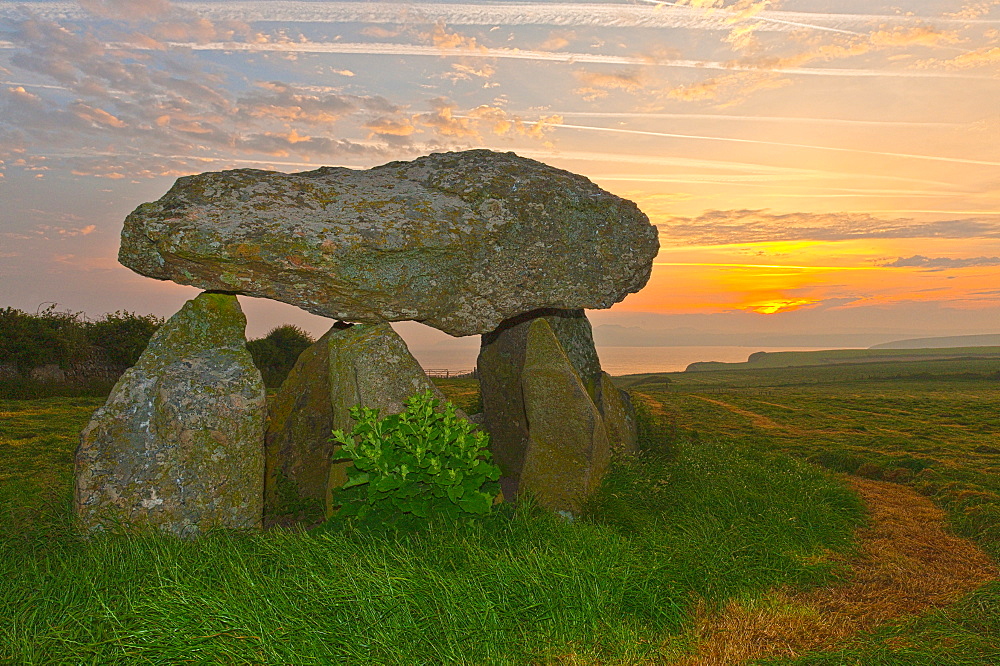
point(618, 413)
point(179, 443)
point(359, 364)
point(459, 241)
point(512, 420)
point(568, 450)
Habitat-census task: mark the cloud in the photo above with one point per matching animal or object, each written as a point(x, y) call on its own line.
point(726, 227)
point(923, 35)
point(727, 139)
point(502, 123)
point(291, 104)
point(654, 14)
point(940, 263)
point(973, 10)
point(596, 85)
point(986, 56)
point(385, 126)
point(129, 10)
point(466, 72)
point(732, 88)
point(96, 116)
point(442, 120)
point(557, 40)
point(441, 38)
point(21, 95)
point(285, 144)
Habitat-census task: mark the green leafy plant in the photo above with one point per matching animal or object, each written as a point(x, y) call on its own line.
point(422, 463)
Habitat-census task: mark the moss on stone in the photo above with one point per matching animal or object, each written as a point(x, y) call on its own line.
point(179, 443)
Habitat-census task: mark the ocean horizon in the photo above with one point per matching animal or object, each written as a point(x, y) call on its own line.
point(615, 360)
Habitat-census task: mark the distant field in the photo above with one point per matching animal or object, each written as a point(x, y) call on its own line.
point(930, 422)
point(790, 359)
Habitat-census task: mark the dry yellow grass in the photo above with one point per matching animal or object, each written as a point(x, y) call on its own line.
point(758, 420)
point(908, 563)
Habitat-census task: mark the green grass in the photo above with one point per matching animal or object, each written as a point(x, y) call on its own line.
point(933, 425)
point(696, 520)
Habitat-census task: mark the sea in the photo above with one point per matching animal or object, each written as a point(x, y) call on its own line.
point(615, 360)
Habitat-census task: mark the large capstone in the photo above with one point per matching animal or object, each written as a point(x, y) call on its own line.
point(360, 364)
point(460, 241)
point(553, 415)
point(179, 444)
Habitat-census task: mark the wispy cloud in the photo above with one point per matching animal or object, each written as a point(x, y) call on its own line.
point(973, 10)
point(940, 263)
point(785, 66)
point(724, 227)
point(702, 137)
point(608, 14)
point(597, 85)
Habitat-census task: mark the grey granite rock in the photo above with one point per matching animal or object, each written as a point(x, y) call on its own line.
point(363, 364)
point(536, 412)
point(179, 444)
point(568, 450)
point(460, 241)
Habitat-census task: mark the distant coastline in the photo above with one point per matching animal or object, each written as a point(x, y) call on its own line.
point(942, 342)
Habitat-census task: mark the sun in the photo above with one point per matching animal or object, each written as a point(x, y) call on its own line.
point(774, 307)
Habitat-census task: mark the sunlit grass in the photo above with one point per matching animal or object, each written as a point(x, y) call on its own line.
point(708, 523)
point(934, 426)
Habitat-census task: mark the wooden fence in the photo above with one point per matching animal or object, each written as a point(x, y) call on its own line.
point(444, 373)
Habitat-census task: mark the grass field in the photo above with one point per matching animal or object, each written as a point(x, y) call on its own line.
point(730, 504)
point(790, 359)
point(930, 424)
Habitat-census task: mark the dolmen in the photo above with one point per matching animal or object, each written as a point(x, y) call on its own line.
point(471, 243)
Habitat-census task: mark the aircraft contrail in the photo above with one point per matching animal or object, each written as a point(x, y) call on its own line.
point(419, 50)
point(769, 17)
point(511, 14)
point(670, 135)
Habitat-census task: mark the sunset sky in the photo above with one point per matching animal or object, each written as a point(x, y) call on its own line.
point(814, 167)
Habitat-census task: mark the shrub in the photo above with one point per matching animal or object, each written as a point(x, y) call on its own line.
point(123, 335)
point(49, 337)
point(276, 353)
point(422, 463)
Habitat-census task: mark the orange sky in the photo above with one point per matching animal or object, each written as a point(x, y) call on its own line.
point(795, 154)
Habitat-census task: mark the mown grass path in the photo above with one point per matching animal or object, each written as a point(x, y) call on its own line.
point(909, 562)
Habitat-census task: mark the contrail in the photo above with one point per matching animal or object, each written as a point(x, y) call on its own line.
point(801, 268)
point(510, 14)
point(721, 116)
point(381, 49)
point(669, 135)
point(770, 18)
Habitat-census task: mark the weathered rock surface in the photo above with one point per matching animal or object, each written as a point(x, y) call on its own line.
point(521, 417)
point(460, 241)
point(618, 413)
point(568, 450)
point(179, 444)
point(360, 364)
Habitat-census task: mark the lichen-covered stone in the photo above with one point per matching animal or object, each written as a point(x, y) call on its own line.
point(460, 241)
point(179, 443)
point(618, 413)
point(360, 364)
point(297, 441)
point(568, 450)
point(503, 370)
